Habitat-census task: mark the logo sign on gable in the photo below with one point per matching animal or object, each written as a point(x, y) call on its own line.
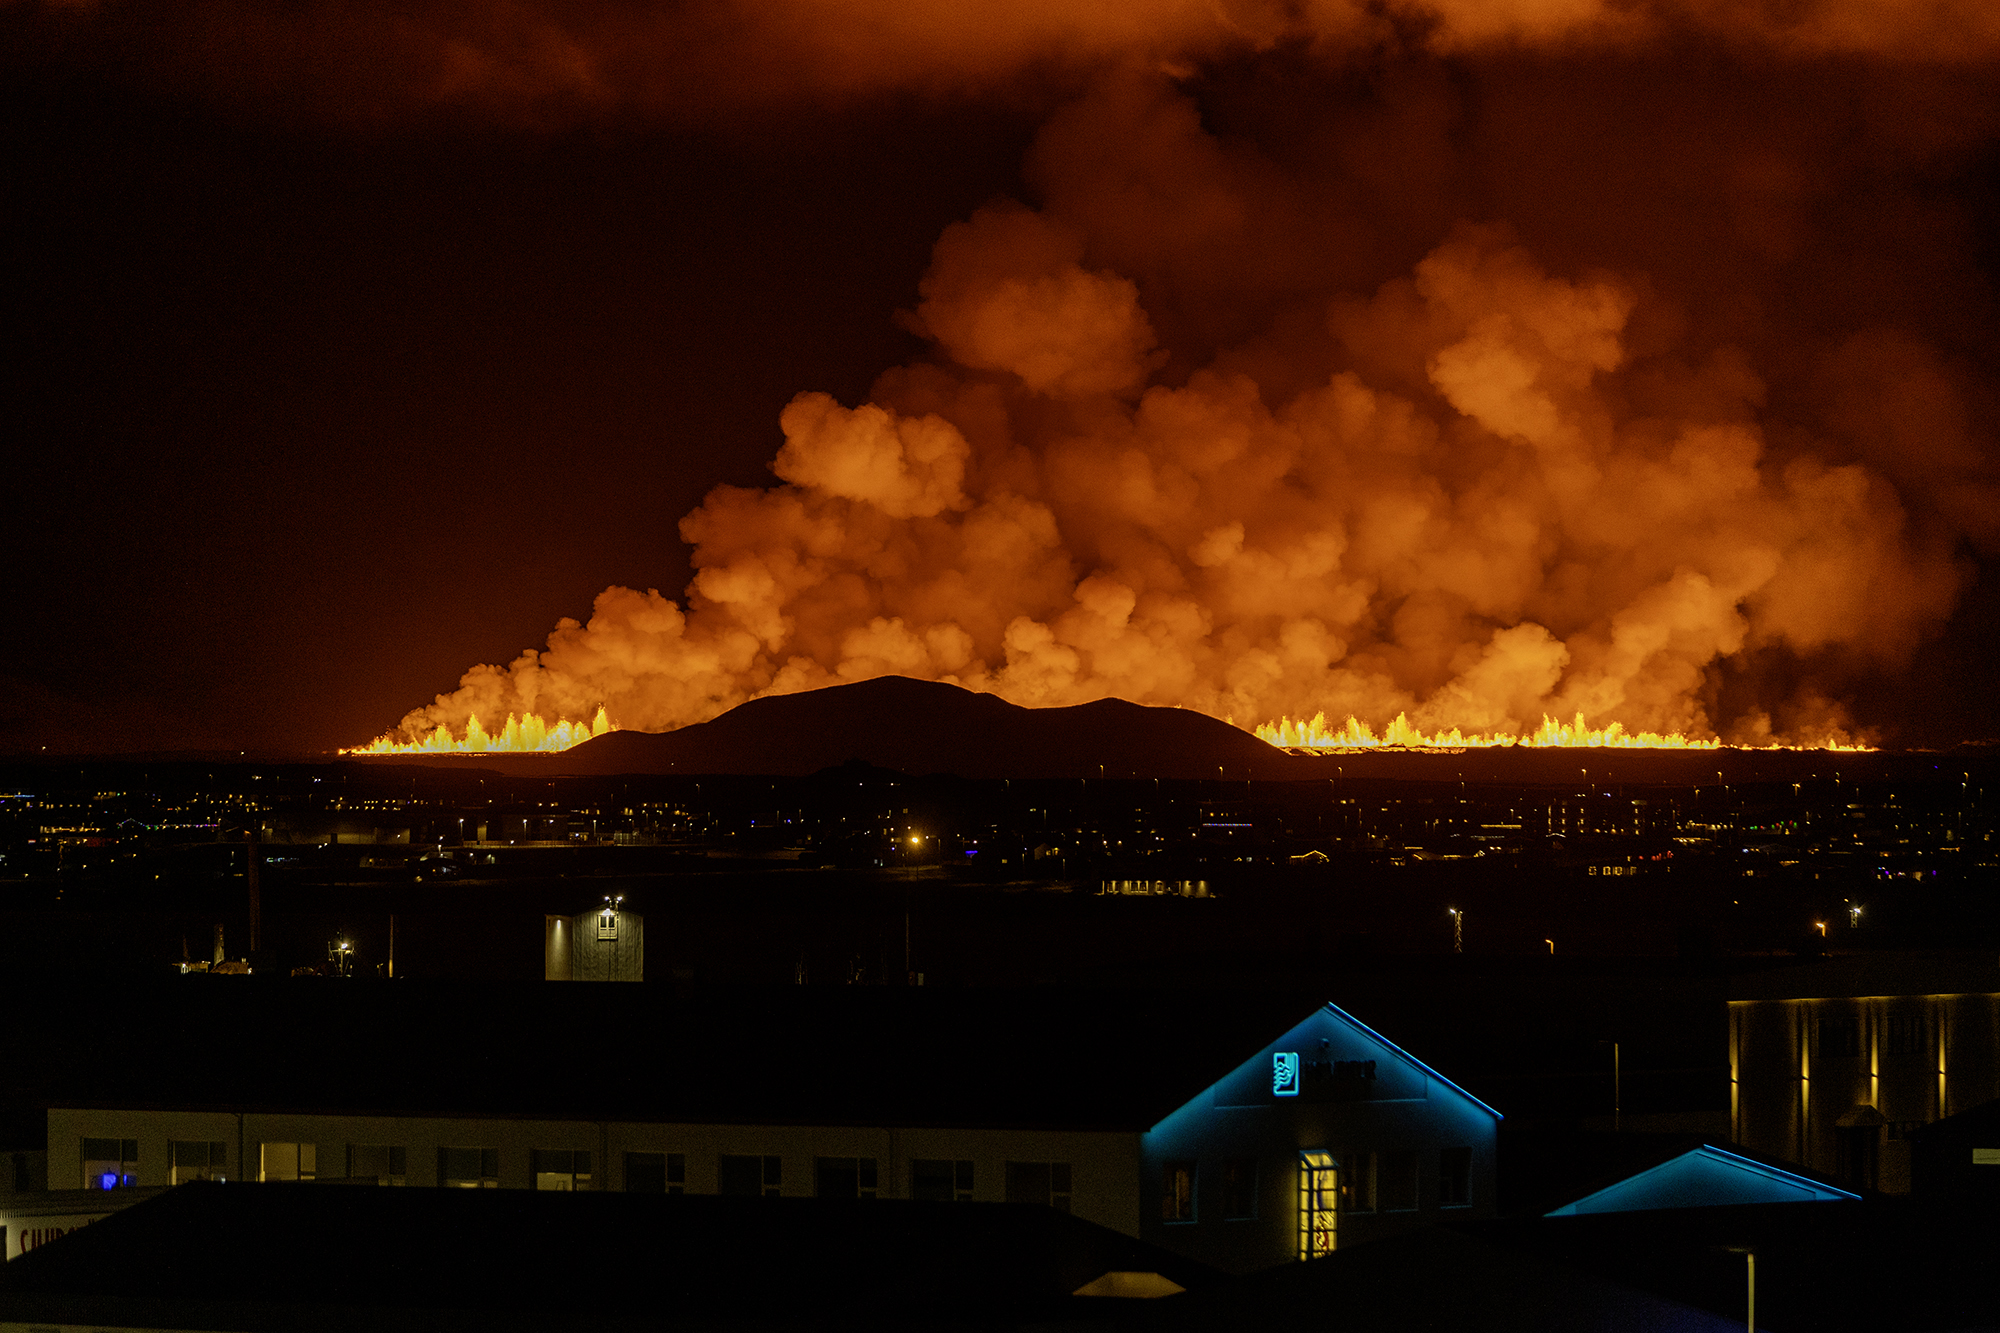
point(1323, 1069)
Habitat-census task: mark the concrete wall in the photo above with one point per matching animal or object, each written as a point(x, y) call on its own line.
point(1794, 1079)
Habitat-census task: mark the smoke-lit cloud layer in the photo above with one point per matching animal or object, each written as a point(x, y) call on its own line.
point(702, 58)
point(1164, 451)
point(1478, 361)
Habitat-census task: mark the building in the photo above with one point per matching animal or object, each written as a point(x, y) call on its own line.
point(1233, 1130)
point(253, 1259)
point(608, 944)
point(1838, 1267)
point(1836, 1066)
point(1330, 1135)
point(1958, 1158)
point(1704, 1176)
point(29, 1221)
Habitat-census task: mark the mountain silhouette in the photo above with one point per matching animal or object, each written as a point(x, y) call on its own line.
point(920, 727)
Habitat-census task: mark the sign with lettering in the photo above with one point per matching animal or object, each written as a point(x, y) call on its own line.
point(1308, 1067)
point(24, 1233)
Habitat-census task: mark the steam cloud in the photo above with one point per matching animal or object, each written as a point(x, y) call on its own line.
point(1473, 360)
point(1160, 453)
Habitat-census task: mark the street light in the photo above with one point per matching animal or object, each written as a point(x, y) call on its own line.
point(1458, 930)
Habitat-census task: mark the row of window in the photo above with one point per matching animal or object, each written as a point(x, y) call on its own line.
point(113, 1164)
point(1840, 1037)
point(1353, 1182)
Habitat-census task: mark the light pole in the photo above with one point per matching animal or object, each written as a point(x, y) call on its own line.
point(1457, 930)
point(1750, 1268)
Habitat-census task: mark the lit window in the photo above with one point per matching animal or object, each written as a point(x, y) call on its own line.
point(940, 1180)
point(1319, 1200)
point(750, 1175)
point(561, 1169)
point(288, 1161)
point(384, 1164)
point(196, 1161)
point(110, 1164)
point(1177, 1192)
point(844, 1177)
point(1039, 1182)
point(469, 1168)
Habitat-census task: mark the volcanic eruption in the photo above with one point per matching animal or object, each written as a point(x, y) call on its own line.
point(1377, 388)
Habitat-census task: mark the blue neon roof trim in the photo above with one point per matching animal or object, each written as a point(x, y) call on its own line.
point(1704, 1177)
point(1338, 1012)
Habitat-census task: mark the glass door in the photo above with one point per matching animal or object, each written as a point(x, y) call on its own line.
point(1319, 1202)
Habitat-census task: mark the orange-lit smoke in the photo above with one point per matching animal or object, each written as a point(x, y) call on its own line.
point(1516, 496)
point(552, 61)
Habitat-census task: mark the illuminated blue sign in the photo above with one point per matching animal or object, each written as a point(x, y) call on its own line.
point(1284, 1073)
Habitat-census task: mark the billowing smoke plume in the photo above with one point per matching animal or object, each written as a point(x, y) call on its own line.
point(1164, 450)
point(1471, 359)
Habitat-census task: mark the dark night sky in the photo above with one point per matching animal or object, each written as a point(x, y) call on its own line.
point(312, 410)
point(309, 421)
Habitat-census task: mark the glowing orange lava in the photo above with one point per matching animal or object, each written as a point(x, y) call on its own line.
point(1357, 736)
point(522, 735)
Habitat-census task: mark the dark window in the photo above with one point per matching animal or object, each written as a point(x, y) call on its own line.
point(1177, 1193)
point(196, 1161)
point(1839, 1038)
point(1397, 1189)
point(1454, 1177)
point(750, 1175)
point(1039, 1182)
point(469, 1168)
point(1357, 1182)
point(110, 1164)
point(940, 1180)
point(655, 1173)
point(561, 1169)
point(1239, 1187)
point(844, 1177)
point(383, 1163)
point(1857, 1154)
point(1908, 1036)
point(645, 1173)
